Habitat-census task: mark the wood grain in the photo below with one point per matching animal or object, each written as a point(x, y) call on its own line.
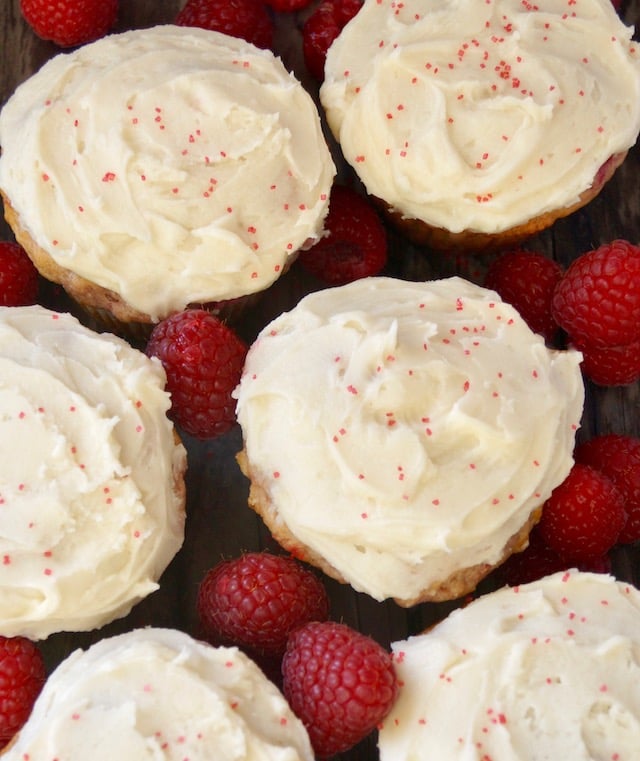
point(219, 523)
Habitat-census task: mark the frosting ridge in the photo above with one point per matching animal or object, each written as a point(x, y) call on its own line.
point(171, 165)
point(481, 116)
point(91, 491)
point(543, 670)
point(157, 693)
point(406, 430)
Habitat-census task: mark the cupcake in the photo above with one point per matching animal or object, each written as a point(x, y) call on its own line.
point(162, 168)
point(158, 693)
point(478, 124)
point(549, 670)
point(402, 436)
point(92, 488)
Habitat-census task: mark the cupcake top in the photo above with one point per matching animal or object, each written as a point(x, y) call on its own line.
point(158, 693)
point(546, 670)
point(482, 115)
point(171, 165)
point(91, 475)
point(405, 430)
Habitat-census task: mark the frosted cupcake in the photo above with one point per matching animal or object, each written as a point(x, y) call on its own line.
point(91, 475)
point(403, 436)
point(161, 168)
point(478, 124)
point(546, 670)
point(158, 693)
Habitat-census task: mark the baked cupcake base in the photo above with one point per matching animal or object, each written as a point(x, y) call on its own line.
point(402, 436)
point(106, 309)
point(457, 585)
point(473, 242)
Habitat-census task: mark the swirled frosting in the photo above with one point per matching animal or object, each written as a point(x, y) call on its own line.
point(482, 115)
point(547, 670)
point(171, 165)
point(403, 430)
point(159, 694)
point(91, 489)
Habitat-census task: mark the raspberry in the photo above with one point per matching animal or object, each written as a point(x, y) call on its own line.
point(355, 245)
point(321, 29)
point(203, 360)
point(70, 22)
point(534, 562)
point(597, 301)
point(256, 600)
point(18, 277)
point(339, 682)
point(22, 675)
point(618, 457)
point(583, 517)
point(248, 19)
point(526, 280)
point(285, 6)
point(610, 365)
point(539, 560)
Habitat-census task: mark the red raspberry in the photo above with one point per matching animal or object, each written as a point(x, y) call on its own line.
point(248, 19)
point(256, 600)
point(203, 359)
point(534, 562)
point(526, 280)
point(597, 301)
point(583, 517)
point(618, 457)
point(22, 674)
point(610, 365)
point(321, 29)
point(70, 22)
point(355, 245)
point(339, 682)
point(18, 277)
point(285, 6)
point(539, 560)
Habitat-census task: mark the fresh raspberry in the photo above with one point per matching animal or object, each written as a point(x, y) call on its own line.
point(534, 562)
point(597, 301)
point(321, 29)
point(610, 365)
point(22, 674)
point(583, 517)
point(539, 560)
point(285, 6)
point(355, 244)
point(618, 457)
point(70, 22)
point(256, 600)
point(248, 19)
point(18, 277)
point(339, 682)
point(203, 360)
point(526, 280)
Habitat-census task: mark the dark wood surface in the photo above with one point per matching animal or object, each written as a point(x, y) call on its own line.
point(219, 524)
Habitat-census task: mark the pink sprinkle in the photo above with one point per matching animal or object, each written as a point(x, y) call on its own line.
point(108, 177)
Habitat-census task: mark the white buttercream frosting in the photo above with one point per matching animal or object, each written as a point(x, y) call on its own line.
point(405, 431)
point(474, 115)
point(549, 670)
point(171, 165)
point(159, 694)
point(91, 488)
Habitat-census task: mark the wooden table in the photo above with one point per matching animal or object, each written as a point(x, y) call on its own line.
point(219, 524)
